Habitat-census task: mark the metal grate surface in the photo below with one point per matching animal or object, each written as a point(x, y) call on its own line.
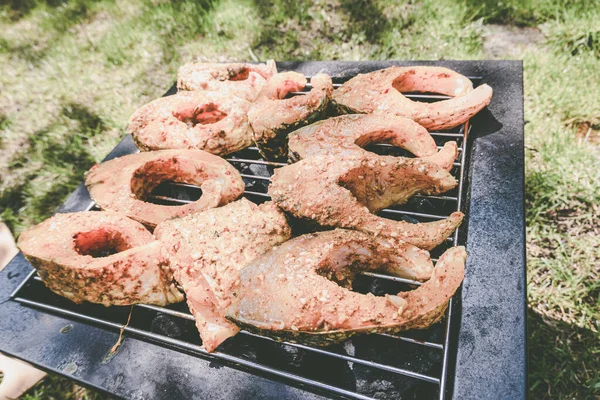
point(413, 364)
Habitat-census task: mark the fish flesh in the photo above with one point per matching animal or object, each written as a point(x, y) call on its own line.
point(238, 79)
point(272, 116)
point(100, 257)
point(206, 251)
point(380, 92)
point(347, 134)
point(209, 121)
point(123, 184)
point(344, 192)
point(301, 290)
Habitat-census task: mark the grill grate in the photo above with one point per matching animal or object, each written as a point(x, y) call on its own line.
point(411, 364)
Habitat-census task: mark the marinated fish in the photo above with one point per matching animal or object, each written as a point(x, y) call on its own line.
point(301, 290)
point(123, 184)
point(344, 192)
point(206, 251)
point(272, 116)
point(380, 92)
point(100, 257)
point(237, 79)
point(347, 134)
point(209, 121)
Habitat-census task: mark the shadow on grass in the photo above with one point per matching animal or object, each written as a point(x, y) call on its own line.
point(169, 23)
point(18, 9)
point(190, 20)
point(4, 124)
point(59, 17)
point(23, 51)
point(524, 12)
point(288, 27)
point(563, 360)
point(50, 155)
point(274, 33)
point(540, 194)
point(90, 122)
point(367, 18)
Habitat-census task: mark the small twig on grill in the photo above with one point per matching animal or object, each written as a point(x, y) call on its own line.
point(113, 350)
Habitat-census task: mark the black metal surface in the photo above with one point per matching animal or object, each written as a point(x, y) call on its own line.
point(489, 319)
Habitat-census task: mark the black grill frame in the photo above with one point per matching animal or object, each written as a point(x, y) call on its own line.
point(340, 71)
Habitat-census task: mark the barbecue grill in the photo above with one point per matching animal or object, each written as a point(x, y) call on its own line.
point(477, 350)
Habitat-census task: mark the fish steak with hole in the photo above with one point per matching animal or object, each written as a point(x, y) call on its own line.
point(123, 184)
point(273, 116)
point(301, 290)
point(345, 192)
point(381, 92)
point(206, 251)
point(209, 121)
point(237, 79)
point(347, 134)
point(100, 257)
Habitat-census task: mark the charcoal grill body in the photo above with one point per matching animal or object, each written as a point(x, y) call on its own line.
point(486, 356)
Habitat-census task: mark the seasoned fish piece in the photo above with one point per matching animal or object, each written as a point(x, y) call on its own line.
point(272, 116)
point(206, 251)
point(347, 134)
point(101, 257)
point(237, 79)
point(380, 92)
point(300, 291)
point(344, 192)
point(123, 184)
point(209, 121)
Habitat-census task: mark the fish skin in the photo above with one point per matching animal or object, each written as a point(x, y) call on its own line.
point(347, 134)
point(175, 122)
point(380, 92)
point(300, 291)
point(237, 79)
point(137, 273)
point(121, 184)
point(272, 116)
point(206, 250)
point(346, 192)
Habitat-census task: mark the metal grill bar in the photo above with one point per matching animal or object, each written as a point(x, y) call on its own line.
point(444, 377)
point(264, 178)
point(414, 214)
point(190, 317)
point(259, 162)
point(385, 210)
point(411, 340)
point(338, 84)
point(391, 278)
point(409, 95)
point(417, 96)
point(22, 284)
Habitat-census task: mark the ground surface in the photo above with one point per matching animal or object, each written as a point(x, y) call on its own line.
point(74, 71)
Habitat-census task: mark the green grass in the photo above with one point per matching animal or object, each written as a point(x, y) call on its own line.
point(74, 72)
point(57, 388)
